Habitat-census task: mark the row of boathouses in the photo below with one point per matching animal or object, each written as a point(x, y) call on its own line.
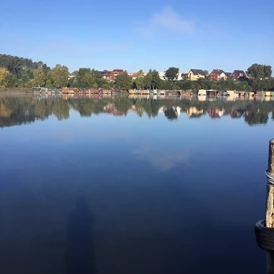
point(201, 92)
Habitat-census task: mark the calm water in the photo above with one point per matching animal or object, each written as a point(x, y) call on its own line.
point(132, 186)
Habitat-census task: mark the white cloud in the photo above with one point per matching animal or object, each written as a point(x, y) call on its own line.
point(167, 19)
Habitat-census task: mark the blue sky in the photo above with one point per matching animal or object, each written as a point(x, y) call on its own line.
point(140, 34)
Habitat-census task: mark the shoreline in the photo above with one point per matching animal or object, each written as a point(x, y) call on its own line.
point(15, 90)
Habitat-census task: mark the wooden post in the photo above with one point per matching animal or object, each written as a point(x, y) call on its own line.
point(271, 157)
point(269, 220)
point(270, 263)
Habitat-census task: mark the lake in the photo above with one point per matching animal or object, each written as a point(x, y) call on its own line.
point(132, 185)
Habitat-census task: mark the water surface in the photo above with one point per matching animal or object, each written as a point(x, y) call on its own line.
point(130, 185)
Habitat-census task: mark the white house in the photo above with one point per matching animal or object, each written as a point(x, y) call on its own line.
point(162, 76)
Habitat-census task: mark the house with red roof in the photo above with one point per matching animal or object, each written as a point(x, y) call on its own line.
point(217, 74)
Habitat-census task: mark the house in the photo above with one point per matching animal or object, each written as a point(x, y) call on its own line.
point(184, 75)
point(111, 75)
point(133, 75)
point(117, 72)
point(106, 74)
point(228, 74)
point(71, 75)
point(238, 75)
point(195, 74)
point(162, 75)
point(217, 74)
point(179, 77)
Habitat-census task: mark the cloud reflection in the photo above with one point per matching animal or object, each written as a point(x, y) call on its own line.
point(159, 159)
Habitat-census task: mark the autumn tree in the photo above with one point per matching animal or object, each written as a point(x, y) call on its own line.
point(4, 76)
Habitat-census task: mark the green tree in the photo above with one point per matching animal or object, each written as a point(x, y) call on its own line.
point(148, 79)
point(258, 71)
point(87, 80)
point(185, 84)
point(101, 82)
point(96, 73)
point(11, 81)
point(203, 83)
point(39, 77)
point(72, 83)
point(123, 81)
point(106, 86)
point(155, 80)
point(139, 81)
point(84, 78)
point(24, 80)
point(16, 65)
point(45, 68)
point(172, 74)
point(49, 80)
point(166, 85)
point(59, 76)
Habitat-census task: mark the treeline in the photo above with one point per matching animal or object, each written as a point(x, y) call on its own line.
point(16, 72)
point(21, 110)
point(24, 73)
point(260, 79)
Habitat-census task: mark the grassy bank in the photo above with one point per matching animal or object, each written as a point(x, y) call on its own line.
point(15, 90)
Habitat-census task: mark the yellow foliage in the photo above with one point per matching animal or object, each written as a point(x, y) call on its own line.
point(4, 111)
point(4, 73)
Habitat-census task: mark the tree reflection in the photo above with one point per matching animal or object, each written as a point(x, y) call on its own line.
point(80, 246)
point(171, 113)
point(20, 110)
point(60, 109)
point(255, 115)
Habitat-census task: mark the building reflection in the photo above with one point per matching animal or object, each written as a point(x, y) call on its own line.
point(237, 113)
point(193, 112)
point(216, 112)
point(19, 110)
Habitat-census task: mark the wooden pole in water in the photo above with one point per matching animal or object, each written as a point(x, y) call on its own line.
point(269, 220)
point(271, 157)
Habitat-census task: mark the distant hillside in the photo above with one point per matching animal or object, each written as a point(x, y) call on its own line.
point(18, 65)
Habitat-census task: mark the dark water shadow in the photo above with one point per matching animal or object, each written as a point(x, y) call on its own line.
point(80, 246)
